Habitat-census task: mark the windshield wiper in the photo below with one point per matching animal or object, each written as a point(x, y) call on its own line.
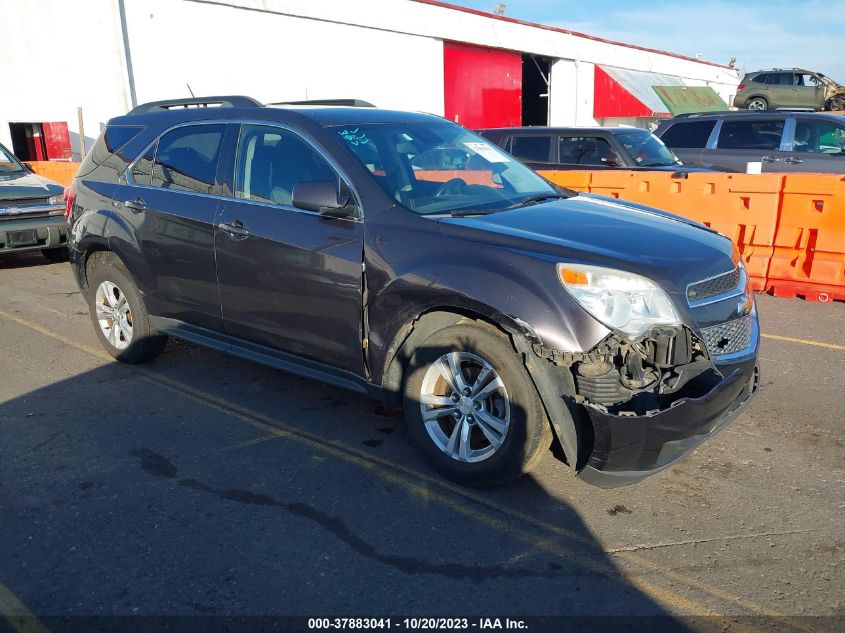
point(537, 199)
point(462, 213)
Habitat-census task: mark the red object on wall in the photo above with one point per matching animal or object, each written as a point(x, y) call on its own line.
point(57, 141)
point(483, 86)
point(612, 100)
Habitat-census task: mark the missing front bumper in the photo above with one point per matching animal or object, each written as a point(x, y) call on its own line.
point(629, 448)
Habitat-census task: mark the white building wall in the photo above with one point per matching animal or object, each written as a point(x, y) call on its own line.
point(277, 57)
point(57, 56)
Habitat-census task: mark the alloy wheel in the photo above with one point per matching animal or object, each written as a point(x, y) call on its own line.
point(113, 315)
point(465, 407)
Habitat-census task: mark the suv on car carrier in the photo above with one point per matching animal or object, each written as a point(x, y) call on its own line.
point(789, 88)
point(499, 311)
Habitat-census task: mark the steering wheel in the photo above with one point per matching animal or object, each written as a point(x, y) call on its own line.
point(453, 186)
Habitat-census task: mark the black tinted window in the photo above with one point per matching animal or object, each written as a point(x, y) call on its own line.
point(531, 148)
point(780, 79)
point(751, 134)
point(117, 136)
point(587, 150)
point(186, 159)
point(688, 134)
point(271, 161)
point(143, 167)
point(761, 79)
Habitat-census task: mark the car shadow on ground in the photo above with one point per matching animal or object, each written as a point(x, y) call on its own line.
point(24, 259)
point(124, 496)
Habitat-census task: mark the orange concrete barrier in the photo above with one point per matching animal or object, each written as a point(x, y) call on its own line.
point(809, 253)
point(470, 177)
point(59, 171)
point(575, 180)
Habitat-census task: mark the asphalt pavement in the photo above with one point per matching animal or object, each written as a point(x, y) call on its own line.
point(203, 486)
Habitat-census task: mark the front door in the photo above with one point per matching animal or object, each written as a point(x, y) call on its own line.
point(290, 279)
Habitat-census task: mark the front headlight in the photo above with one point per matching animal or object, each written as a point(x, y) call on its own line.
point(56, 200)
point(623, 301)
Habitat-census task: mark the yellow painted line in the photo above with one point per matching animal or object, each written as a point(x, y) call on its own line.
point(803, 341)
point(352, 455)
point(17, 615)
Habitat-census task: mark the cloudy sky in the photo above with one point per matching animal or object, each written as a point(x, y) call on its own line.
point(759, 33)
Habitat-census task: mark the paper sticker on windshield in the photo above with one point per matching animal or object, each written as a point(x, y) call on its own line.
point(488, 153)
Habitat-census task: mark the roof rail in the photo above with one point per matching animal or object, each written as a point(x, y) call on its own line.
point(230, 101)
point(355, 103)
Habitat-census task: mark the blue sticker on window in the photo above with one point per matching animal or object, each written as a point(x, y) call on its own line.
point(354, 137)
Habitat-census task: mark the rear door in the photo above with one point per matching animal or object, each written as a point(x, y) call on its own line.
point(290, 279)
point(743, 139)
point(170, 200)
point(688, 139)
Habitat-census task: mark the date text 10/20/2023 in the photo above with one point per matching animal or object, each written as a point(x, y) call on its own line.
point(417, 623)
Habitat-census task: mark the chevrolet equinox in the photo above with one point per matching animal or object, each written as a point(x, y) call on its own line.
point(399, 255)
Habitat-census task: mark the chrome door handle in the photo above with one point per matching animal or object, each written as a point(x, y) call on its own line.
point(794, 159)
point(137, 204)
point(770, 159)
point(235, 230)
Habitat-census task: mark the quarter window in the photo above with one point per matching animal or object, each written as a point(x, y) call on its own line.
point(763, 135)
point(271, 161)
point(532, 148)
point(689, 134)
point(186, 159)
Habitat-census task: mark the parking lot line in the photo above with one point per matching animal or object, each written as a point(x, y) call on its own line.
point(17, 615)
point(803, 341)
point(407, 479)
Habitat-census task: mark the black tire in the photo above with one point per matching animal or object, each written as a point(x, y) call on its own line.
point(55, 255)
point(763, 104)
point(528, 434)
point(145, 343)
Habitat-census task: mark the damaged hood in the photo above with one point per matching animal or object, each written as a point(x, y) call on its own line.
point(666, 248)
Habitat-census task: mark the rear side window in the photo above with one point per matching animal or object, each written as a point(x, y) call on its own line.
point(532, 148)
point(779, 79)
point(113, 138)
point(689, 134)
point(186, 158)
point(760, 79)
point(751, 134)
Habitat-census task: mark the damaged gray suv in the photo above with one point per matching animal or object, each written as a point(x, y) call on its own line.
point(402, 256)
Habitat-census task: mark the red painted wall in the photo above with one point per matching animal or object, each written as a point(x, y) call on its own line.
point(57, 140)
point(612, 100)
point(483, 86)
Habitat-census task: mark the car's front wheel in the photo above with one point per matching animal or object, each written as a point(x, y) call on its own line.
point(118, 311)
point(472, 408)
point(757, 103)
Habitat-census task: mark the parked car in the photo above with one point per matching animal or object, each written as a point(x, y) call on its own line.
point(781, 141)
point(496, 309)
point(587, 148)
point(32, 211)
point(789, 88)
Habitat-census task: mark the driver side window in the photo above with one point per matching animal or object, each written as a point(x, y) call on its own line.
point(271, 161)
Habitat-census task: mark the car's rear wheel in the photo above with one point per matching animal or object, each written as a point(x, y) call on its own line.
point(471, 407)
point(757, 103)
point(118, 312)
point(55, 255)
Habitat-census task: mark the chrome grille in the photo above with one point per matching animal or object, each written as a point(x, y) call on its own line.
point(728, 337)
point(23, 202)
point(714, 287)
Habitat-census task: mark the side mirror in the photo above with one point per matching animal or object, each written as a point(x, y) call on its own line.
point(322, 197)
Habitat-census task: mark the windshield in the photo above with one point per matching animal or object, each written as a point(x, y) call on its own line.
point(646, 149)
point(8, 163)
point(439, 167)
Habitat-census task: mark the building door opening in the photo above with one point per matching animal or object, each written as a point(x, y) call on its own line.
point(536, 77)
point(41, 141)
